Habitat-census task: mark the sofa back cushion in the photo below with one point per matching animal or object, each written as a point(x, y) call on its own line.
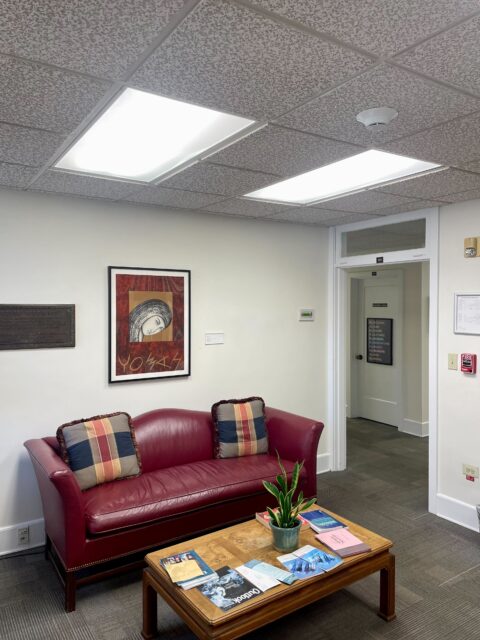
point(99, 449)
point(171, 437)
point(240, 428)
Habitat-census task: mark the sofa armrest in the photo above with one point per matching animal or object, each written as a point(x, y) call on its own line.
point(295, 438)
point(62, 500)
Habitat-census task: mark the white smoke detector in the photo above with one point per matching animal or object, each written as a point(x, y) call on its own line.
point(377, 118)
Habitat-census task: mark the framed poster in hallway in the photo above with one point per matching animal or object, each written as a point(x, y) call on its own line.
point(149, 323)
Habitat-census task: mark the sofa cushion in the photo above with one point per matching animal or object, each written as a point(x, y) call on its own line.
point(99, 449)
point(177, 490)
point(240, 427)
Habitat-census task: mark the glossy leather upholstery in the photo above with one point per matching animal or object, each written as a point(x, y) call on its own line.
point(182, 490)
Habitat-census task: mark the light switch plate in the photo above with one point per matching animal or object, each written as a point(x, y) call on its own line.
point(214, 338)
point(453, 361)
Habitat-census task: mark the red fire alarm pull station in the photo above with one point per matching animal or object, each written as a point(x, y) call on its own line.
point(469, 362)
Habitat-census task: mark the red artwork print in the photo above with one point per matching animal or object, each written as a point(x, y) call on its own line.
point(136, 356)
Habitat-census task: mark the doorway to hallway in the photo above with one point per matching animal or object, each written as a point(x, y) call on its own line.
point(388, 346)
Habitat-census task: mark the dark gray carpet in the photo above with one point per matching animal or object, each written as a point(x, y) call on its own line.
point(384, 489)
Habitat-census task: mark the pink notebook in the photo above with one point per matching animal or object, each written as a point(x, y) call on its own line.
point(342, 542)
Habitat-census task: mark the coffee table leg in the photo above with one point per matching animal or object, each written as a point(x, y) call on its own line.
point(149, 630)
point(387, 590)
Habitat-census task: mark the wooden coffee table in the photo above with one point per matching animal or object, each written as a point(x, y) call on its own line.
point(236, 545)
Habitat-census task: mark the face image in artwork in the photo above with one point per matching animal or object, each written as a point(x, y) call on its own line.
point(149, 318)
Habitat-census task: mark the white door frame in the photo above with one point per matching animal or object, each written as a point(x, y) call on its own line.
point(337, 328)
point(390, 277)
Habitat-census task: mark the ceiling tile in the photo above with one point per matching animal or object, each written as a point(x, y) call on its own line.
point(474, 194)
point(365, 202)
point(171, 197)
point(435, 185)
point(304, 215)
point(229, 58)
point(473, 166)
point(413, 205)
point(348, 218)
point(212, 178)
point(93, 36)
point(419, 104)
point(34, 95)
point(15, 175)
point(244, 207)
point(453, 143)
point(452, 56)
point(22, 145)
point(82, 185)
point(283, 151)
point(310, 215)
point(382, 27)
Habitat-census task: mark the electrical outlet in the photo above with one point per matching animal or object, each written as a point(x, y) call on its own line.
point(470, 470)
point(453, 361)
point(23, 535)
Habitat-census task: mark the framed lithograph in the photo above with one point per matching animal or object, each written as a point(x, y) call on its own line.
point(149, 331)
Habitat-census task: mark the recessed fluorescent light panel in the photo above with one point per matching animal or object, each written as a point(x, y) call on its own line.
point(352, 174)
point(141, 136)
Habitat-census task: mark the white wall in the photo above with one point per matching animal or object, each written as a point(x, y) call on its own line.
point(249, 278)
point(458, 394)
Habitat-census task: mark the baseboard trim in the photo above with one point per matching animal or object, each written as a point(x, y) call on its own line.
point(457, 511)
point(8, 537)
point(323, 463)
point(414, 427)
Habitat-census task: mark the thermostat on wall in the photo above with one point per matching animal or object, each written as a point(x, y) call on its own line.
point(306, 315)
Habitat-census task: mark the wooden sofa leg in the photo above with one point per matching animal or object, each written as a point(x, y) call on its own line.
point(70, 589)
point(48, 545)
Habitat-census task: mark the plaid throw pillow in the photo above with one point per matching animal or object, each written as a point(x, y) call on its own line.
point(100, 449)
point(240, 427)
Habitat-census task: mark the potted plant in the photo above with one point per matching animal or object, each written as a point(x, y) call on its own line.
point(284, 521)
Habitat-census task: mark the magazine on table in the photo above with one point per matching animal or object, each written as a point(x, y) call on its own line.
point(229, 589)
point(187, 569)
point(309, 561)
point(257, 578)
point(271, 570)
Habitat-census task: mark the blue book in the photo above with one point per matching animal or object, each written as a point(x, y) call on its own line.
point(321, 521)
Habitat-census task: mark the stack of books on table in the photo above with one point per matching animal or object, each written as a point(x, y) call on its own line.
point(263, 517)
point(335, 534)
point(188, 569)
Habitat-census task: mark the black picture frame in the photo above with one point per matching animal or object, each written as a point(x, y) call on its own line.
point(380, 341)
point(149, 323)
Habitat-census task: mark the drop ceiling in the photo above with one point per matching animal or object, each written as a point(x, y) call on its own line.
point(302, 68)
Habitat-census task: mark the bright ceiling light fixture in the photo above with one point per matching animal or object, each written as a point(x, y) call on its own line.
point(142, 136)
point(353, 174)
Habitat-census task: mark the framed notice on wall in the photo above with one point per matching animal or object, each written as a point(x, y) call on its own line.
point(149, 323)
point(380, 341)
point(467, 313)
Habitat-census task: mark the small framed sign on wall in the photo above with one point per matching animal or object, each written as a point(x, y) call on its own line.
point(149, 323)
point(467, 313)
point(380, 341)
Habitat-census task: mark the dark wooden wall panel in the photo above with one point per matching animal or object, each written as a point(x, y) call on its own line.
point(37, 326)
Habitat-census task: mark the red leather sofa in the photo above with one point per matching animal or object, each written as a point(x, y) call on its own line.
point(182, 491)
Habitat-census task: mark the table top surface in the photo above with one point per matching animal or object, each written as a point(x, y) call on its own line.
point(235, 545)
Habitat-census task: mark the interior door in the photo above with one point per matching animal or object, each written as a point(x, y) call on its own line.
point(378, 381)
